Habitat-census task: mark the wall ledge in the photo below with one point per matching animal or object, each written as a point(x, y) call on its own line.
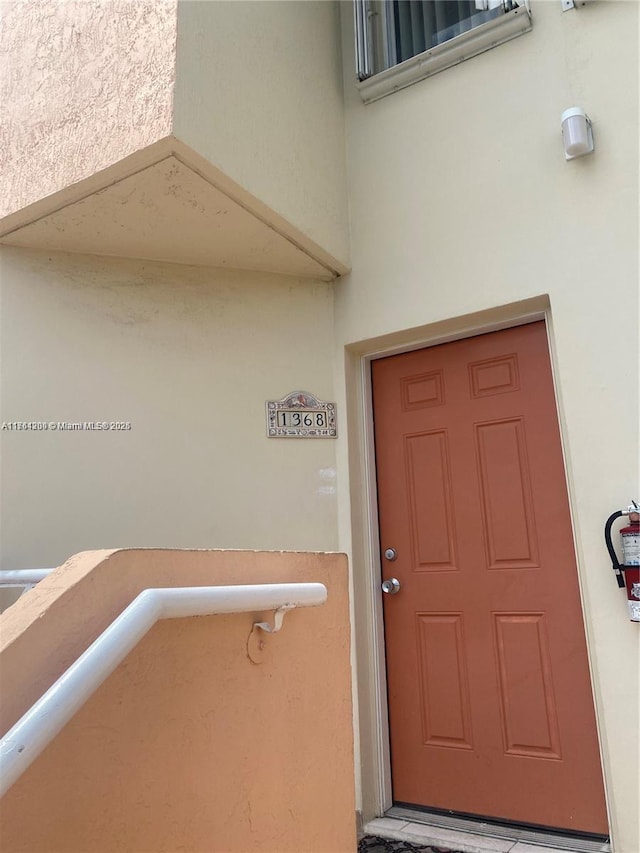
point(168, 203)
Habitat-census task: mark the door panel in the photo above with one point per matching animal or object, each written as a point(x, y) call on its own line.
point(505, 494)
point(428, 473)
point(444, 694)
point(490, 702)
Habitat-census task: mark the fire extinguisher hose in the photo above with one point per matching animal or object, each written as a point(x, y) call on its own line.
point(612, 553)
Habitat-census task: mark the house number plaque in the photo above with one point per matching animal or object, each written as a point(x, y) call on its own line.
point(301, 415)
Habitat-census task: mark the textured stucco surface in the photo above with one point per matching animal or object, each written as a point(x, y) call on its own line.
point(187, 355)
point(188, 745)
point(83, 85)
point(258, 93)
point(476, 209)
point(97, 92)
point(168, 212)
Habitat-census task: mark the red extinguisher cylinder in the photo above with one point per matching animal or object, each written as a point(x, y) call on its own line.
point(631, 559)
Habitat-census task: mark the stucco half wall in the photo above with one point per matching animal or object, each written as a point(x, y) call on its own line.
point(188, 745)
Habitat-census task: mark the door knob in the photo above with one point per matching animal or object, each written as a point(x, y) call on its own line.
point(391, 586)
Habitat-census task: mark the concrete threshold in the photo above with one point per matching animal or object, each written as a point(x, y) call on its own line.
point(418, 828)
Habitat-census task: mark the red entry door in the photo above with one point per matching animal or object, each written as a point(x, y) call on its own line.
point(490, 702)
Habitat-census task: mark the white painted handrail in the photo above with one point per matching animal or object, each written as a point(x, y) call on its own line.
point(31, 734)
point(23, 577)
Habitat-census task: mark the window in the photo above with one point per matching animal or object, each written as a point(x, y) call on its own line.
point(401, 41)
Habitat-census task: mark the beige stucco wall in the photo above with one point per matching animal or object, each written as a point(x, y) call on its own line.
point(188, 745)
point(258, 92)
point(461, 202)
point(248, 95)
point(188, 356)
point(84, 84)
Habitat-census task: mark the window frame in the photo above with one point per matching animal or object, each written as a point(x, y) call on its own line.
point(370, 39)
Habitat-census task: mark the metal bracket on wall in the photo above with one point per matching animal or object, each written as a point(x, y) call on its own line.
point(572, 4)
point(278, 617)
point(257, 650)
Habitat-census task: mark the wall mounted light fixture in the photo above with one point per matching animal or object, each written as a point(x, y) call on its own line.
point(577, 134)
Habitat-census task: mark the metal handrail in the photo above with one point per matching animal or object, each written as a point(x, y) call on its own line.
point(42, 722)
point(23, 577)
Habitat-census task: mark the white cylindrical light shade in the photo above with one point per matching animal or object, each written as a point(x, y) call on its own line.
point(576, 133)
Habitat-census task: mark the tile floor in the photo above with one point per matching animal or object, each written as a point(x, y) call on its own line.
point(446, 839)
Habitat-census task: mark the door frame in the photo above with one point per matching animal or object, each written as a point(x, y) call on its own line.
point(373, 728)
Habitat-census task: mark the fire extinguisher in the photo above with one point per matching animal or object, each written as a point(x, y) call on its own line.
point(627, 572)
